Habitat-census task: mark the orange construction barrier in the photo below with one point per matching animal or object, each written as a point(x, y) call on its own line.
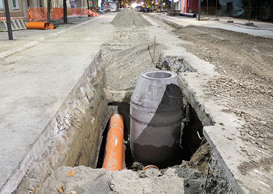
point(113, 156)
point(56, 13)
point(37, 25)
point(37, 14)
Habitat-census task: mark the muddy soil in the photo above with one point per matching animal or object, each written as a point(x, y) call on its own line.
point(245, 85)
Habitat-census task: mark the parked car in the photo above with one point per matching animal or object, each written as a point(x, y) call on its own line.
point(139, 9)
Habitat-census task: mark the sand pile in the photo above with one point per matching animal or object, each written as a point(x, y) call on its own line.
point(123, 67)
point(130, 52)
point(127, 18)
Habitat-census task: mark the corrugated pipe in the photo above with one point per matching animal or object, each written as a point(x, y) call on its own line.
point(113, 156)
point(37, 25)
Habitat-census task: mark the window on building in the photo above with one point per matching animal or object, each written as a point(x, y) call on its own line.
point(15, 4)
point(1, 4)
point(41, 3)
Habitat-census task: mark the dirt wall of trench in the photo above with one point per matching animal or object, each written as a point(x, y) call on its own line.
point(83, 116)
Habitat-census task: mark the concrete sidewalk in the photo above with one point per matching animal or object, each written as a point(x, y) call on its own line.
point(36, 80)
point(259, 29)
point(24, 39)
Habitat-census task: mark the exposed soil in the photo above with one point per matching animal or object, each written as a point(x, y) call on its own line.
point(130, 52)
point(245, 85)
point(201, 157)
point(128, 19)
point(127, 60)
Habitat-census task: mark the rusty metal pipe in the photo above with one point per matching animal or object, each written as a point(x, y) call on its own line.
point(113, 156)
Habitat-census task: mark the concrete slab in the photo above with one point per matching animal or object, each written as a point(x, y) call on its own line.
point(36, 81)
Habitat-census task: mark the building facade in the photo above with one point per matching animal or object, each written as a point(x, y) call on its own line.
point(17, 8)
point(247, 9)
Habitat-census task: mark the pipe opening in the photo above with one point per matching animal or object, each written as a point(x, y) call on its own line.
point(158, 75)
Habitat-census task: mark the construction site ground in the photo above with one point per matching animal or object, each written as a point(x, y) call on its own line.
point(232, 84)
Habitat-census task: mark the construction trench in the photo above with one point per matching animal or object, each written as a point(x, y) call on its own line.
point(73, 143)
point(177, 174)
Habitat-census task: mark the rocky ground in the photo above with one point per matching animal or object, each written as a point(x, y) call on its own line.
point(245, 85)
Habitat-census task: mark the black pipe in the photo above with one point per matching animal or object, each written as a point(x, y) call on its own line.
point(65, 11)
point(193, 15)
point(8, 19)
point(199, 9)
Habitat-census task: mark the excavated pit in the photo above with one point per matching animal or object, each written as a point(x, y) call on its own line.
point(80, 128)
point(189, 169)
point(190, 139)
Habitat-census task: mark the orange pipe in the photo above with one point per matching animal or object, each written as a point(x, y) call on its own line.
point(150, 166)
point(50, 26)
point(113, 156)
point(37, 25)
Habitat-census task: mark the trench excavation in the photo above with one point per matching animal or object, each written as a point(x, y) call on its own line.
point(185, 128)
point(185, 154)
point(163, 146)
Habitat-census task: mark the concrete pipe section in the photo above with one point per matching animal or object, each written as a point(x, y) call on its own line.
point(156, 114)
